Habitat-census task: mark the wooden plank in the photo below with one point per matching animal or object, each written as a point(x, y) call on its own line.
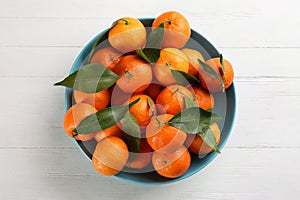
point(217, 9)
point(66, 174)
point(32, 112)
point(267, 114)
point(263, 62)
point(57, 61)
point(226, 24)
point(77, 32)
point(39, 41)
point(49, 32)
point(37, 61)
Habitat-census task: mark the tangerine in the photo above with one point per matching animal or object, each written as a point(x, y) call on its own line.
point(177, 29)
point(74, 116)
point(107, 57)
point(143, 110)
point(135, 74)
point(172, 98)
point(127, 34)
point(163, 137)
point(213, 84)
point(110, 156)
point(99, 100)
point(172, 165)
point(170, 58)
point(202, 97)
point(197, 145)
point(111, 131)
point(119, 97)
point(153, 90)
point(143, 158)
point(193, 56)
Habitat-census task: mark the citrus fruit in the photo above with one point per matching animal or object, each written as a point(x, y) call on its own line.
point(110, 156)
point(153, 90)
point(172, 98)
point(202, 97)
point(193, 56)
point(172, 165)
point(127, 34)
point(99, 100)
point(170, 58)
point(107, 57)
point(111, 131)
point(135, 74)
point(119, 97)
point(197, 145)
point(143, 158)
point(177, 29)
point(143, 110)
point(74, 116)
point(213, 84)
point(163, 137)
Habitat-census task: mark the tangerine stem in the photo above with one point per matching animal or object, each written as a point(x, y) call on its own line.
point(74, 134)
point(168, 65)
point(129, 74)
point(223, 67)
point(151, 107)
point(159, 122)
point(168, 21)
point(177, 90)
point(125, 21)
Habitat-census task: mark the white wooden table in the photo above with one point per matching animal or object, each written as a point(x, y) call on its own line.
point(39, 41)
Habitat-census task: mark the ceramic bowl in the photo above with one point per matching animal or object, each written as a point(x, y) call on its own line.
point(225, 105)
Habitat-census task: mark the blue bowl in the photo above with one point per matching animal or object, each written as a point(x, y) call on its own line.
point(225, 105)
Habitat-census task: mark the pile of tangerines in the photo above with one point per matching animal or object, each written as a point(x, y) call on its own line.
point(154, 97)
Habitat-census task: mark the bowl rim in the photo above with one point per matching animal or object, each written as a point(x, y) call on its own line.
point(170, 181)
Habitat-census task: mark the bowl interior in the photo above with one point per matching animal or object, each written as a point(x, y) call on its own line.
point(225, 105)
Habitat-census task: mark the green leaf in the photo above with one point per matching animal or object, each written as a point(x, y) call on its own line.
point(103, 119)
point(209, 138)
point(151, 107)
point(212, 73)
point(223, 73)
point(91, 78)
point(189, 102)
point(193, 120)
point(222, 63)
point(156, 37)
point(150, 55)
point(183, 78)
point(132, 134)
point(151, 52)
point(141, 54)
point(209, 70)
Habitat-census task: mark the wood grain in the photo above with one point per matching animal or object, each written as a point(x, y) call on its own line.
point(66, 174)
point(227, 24)
point(39, 41)
point(57, 61)
point(222, 33)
